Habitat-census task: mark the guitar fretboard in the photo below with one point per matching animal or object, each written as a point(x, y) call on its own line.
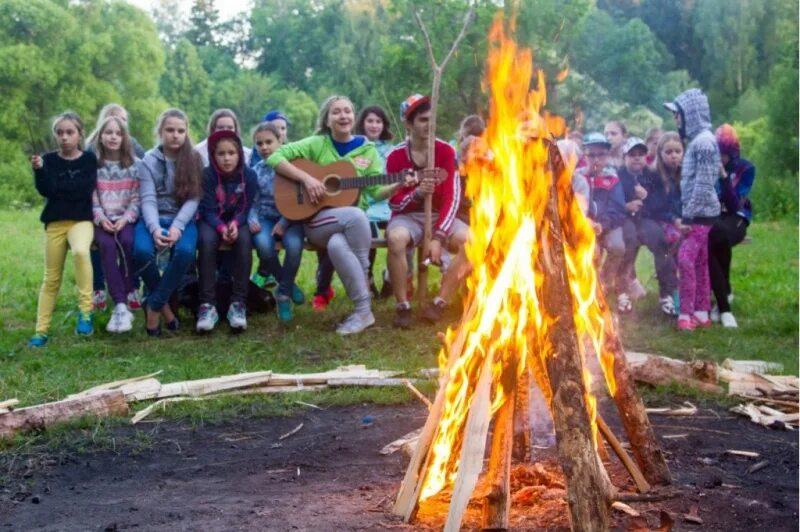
point(381, 179)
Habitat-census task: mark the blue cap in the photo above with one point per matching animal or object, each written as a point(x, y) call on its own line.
point(597, 139)
point(276, 115)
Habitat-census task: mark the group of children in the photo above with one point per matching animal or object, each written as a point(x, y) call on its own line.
point(154, 214)
point(682, 195)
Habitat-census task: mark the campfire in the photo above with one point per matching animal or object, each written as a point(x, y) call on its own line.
point(534, 314)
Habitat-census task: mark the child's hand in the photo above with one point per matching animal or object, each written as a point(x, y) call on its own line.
point(36, 162)
point(278, 230)
point(232, 232)
point(640, 191)
point(173, 236)
point(597, 227)
point(633, 206)
point(255, 227)
point(120, 224)
point(108, 226)
point(160, 240)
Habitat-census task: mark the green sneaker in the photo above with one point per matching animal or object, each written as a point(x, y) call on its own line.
point(258, 280)
point(271, 283)
point(298, 298)
point(284, 308)
point(38, 340)
point(85, 325)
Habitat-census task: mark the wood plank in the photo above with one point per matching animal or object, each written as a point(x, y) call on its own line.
point(199, 387)
point(396, 445)
point(113, 385)
point(497, 504)
point(101, 404)
point(470, 462)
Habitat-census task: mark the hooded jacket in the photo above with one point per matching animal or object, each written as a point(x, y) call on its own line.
point(157, 193)
point(606, 197)
point(227, 197)
point(701, 162)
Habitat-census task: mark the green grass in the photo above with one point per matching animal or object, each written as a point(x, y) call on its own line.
point(764, 279)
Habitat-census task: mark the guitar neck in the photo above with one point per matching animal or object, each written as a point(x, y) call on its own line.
point(382, 179)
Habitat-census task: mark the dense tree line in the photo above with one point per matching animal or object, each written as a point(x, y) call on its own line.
point(623, 58)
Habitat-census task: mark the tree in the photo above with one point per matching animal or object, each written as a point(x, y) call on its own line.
point(203, 23)
point(185, 84)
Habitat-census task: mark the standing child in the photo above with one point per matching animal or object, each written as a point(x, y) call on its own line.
point(699, 202)
point(66, 179)
point(115, 204)
point(169, 180)
point(267, 225)
point(229, 187)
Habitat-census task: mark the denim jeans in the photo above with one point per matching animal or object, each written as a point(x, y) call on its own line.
point(292, 239)
point(160, 287)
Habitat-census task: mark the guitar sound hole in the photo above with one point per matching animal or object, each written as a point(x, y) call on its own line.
point(332, 184)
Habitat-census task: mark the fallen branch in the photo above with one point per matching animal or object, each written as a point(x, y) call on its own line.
point(401, 442)
point(418, 393)
point(641, 484)
point(293, 431)
point(103, 404)
point(7, 405)
point(688, 410)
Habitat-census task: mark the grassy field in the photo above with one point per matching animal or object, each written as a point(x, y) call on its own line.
point(765, 280)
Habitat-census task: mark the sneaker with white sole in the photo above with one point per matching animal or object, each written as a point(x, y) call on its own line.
point(624, 304)
point(714, 314)
point(237, 316)
point(99, 301)
point(121, 319)
point(207, 318)
point(134, 300)
point(728, 320)
point(355, 323)
point(668, 306)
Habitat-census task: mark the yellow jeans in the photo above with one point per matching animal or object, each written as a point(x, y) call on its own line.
point(79, 236)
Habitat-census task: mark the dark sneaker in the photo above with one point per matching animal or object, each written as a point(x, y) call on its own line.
point(432, 312)
point(403, 318)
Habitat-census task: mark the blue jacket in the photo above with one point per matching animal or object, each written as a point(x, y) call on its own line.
point(733, 191)
point(606, 198)
point(660, 204)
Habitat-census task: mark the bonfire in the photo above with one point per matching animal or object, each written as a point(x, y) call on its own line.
point(534, 313)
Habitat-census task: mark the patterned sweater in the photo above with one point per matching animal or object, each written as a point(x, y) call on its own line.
point(117, 193)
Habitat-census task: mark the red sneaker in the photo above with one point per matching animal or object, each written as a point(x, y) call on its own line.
point(320, 301)
point(700, 324)
point(686, 325)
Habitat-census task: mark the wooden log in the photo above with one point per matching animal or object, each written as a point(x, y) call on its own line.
point(632, 411)
point(659, 370)
point(589, 491)
point(396, 445)
point(522, 450)
point(365, 381)
point(407, 498)
point(195, 388)
point(8, 405)
point(497, 504)
point(470, 461)
point(102, 404)
point(641, 484)
point(114, 385)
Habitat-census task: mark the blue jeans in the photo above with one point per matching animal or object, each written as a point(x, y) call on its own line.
point(160, 288)
point(292, 240)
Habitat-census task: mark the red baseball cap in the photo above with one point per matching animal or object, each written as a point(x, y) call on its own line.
point(411, 103)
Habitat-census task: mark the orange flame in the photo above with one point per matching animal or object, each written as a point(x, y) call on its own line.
point(509, 179)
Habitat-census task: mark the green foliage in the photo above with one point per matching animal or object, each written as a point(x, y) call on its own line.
point(185, 84)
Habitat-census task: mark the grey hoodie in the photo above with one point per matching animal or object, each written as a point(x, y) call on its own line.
point(157, 193)
point(701, 162)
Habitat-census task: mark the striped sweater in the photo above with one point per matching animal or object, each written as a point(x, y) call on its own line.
point(117, 193)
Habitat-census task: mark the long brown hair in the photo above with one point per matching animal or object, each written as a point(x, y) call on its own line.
point(126, 155)
point(663, 171)
point(188, 164)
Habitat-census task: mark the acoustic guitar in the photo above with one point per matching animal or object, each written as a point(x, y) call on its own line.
point(342, 187)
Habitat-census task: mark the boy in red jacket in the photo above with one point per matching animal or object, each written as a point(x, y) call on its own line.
point(406, 226)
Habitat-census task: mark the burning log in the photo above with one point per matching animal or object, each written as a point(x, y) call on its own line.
point(522, 419)
point(633, 414)
point(497, 505)
point(589, 490)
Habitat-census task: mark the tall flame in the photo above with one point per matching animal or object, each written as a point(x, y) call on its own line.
point(510, 178)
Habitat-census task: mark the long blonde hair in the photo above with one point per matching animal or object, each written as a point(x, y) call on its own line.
point(325, 109)
point(663, 171)
point(188, 164)
point(126, 155)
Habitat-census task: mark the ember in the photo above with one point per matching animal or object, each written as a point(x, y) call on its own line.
point(534, 311)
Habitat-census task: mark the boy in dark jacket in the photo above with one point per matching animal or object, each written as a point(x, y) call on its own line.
point(606, 207)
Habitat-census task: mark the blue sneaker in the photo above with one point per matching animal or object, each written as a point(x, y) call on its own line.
point(38, 340)
point(284, 308)
point(270, 283)
point(85, 326)
point(297, 295)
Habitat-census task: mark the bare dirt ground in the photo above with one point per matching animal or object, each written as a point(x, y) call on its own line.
point(328, 476)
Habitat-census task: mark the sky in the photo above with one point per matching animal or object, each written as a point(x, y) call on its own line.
point(226, 8)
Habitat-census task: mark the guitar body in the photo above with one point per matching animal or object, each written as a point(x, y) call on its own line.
point(292, 199)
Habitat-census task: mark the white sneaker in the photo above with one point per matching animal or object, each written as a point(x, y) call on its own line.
point(728, 320)
point(113, 323)
point(237, 316)
point(207, 318)
point(714, 314)
point(668, 306)
point(125, 320)
point(624, 304)
point(355, 323)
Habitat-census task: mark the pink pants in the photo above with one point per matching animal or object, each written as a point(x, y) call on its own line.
point(695, 286)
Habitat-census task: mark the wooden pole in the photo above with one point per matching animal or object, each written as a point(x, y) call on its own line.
point(497, 504)
point(589, 491)
point(438, 69)
point(632, 411)
point(641, 484)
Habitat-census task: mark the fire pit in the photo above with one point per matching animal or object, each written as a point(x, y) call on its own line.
point(534, 314)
